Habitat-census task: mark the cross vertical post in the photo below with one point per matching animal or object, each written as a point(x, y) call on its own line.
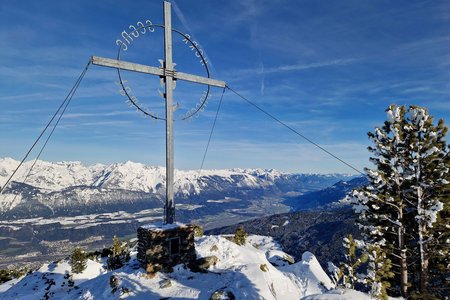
point(169, 85)
point(170, 76)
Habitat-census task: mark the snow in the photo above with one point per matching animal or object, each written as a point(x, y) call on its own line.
point(129, 175)
point(9, 201)
point(60, 186)
point(162, 226)
point(7, 285)
point(55, 176)
point(245, 271)
point(51, 279)
point(339, 294)
point(431, 214)
point(89, 220)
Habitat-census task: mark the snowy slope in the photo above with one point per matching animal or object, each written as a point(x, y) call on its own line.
point(238, 270)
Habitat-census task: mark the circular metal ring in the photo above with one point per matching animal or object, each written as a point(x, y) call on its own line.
point(190, 113)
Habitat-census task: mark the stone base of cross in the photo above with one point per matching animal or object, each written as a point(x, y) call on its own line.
point(169, 74)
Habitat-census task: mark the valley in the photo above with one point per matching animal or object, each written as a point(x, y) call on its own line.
point(33, 240)
point(66, 204)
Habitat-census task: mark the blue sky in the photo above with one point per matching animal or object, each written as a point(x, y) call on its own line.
point(328, 69)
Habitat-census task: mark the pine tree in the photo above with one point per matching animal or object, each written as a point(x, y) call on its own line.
point(380, 205)
point(117, 246)
point(440, 254)
point(378, 272)
point(240, 236)
point(406, 191)
point(120, 254)
point(428, 174)
point(347, 274)
point(78, 260)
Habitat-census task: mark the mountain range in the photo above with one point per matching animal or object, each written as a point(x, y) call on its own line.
point(70, 188)
point(43, 215)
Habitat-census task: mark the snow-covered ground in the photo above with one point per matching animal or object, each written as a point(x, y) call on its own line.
point(257, 270)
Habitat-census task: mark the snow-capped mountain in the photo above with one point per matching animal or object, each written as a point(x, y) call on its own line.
point(70, 188)
point(257, 270)
point(51, 177)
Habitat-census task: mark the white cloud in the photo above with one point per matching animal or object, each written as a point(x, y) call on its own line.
point(236, 75)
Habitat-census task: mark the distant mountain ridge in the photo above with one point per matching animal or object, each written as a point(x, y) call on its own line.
point(324, 197)
point(70, 188)
point(318, 231)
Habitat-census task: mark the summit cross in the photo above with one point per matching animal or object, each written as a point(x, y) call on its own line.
point(168, 73)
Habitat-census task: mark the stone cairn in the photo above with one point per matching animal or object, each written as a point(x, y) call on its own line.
point(154, 246)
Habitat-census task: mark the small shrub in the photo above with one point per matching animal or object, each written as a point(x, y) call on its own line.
point(78, 260)
point(222, 295)
point(289, 259)
point(198, 230)
point(240, 236)
point(94, 255)
point(124, 290)
point(7, 275)
point(263, 267)
point(120, 254)
point(114, 283)
point(106, 252)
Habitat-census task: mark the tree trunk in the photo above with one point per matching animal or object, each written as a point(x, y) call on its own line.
point(422, 226)
point(403, 261)
point(423, 288)
point(401, 238)
point(403, 274)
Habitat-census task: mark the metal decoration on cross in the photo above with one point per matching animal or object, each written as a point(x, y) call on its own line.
point(169, 75)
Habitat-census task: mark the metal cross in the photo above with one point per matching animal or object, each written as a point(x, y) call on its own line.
point(168, 73)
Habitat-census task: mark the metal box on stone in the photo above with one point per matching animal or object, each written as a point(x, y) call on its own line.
point(164, 246)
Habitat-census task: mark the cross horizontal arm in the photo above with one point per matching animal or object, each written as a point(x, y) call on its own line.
point(123, 65)
point(200, 79)
point(118, 64)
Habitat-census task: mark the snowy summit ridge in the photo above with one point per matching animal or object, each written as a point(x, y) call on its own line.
point(257, 270)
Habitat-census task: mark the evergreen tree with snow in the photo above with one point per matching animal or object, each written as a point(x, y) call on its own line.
point(120, 254)
point(399, 207)
point(240, 236)
point(427, 173)
point(347, 275)
point(379, 272)
point(380, 206)
point(439, 250)
point(78, 260)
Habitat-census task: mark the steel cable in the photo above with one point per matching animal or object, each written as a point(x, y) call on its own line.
point(66, 102)
point(197, 179)
point(295, 131)
point(211, 133)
